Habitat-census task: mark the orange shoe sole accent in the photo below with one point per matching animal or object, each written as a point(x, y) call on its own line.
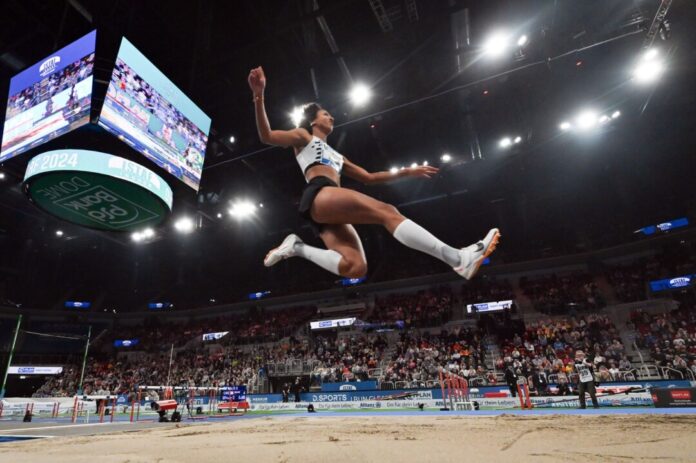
point(489, 250)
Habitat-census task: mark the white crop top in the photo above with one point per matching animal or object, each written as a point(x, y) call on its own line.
point(318, 151)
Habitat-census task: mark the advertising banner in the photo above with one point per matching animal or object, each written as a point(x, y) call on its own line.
point(349, 386)
point(674, 397)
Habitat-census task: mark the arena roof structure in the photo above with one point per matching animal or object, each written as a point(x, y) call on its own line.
point(532, 110)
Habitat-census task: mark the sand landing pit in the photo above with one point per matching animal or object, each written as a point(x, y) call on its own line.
point(550, 438)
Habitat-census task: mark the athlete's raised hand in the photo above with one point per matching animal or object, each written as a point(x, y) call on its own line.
point(257, 80)
point(421, 171)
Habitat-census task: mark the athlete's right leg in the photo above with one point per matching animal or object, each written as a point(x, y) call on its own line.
point(341, 205)
point(345, 240)
point(345, 255)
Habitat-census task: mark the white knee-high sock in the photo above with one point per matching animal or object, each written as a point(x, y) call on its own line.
point(414, 236)
point(327, 259)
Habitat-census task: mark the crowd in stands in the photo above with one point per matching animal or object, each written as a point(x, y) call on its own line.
point(630, 281)
point(418, 357)
point(425, 308)
point(253, 326)
point(485, 290)
point(670, 338)
point(542, 351)
point(546, 349)
point(556, 294)
point(188, 368)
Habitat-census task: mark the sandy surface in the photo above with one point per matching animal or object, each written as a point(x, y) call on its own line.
point(384, 439)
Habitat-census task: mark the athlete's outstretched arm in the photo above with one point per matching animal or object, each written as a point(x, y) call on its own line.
point(356, 172)
point(295, 137)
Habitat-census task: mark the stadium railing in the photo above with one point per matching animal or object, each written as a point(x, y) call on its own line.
point(477, 381)
point(648, 371)
point(667, 373)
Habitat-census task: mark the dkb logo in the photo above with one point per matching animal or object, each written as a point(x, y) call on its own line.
point(103, 207)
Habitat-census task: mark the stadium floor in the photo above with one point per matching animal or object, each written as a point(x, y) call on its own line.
point(63, 427)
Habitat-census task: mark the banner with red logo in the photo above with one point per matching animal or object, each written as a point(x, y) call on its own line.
point(674, 397)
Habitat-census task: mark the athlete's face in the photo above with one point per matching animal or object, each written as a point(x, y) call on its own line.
point(324, 121)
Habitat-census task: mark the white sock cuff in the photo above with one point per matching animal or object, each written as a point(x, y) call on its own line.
point(328, 259)
point(403, 228)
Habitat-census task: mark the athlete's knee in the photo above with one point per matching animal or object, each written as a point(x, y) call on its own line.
point(389, 213)
point(356, 269)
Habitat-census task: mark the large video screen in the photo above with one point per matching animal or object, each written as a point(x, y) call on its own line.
point(146, 110)
point(50, 98)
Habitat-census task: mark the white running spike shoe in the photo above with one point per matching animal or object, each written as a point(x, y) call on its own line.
point(282, 252)
point(473, 256)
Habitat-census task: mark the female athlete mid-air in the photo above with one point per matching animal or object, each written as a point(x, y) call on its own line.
point(331, 209)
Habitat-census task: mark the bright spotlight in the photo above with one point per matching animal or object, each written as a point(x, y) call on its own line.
point(393, 170)
point(505, 142)
point(517, 140)
point(603, 119)
point(586, 120)
point(59, 233)
point(496, 44)
point(232, 139)
point(425, 163)
point(184, 225)
point(615, 114)
point(414, 165)
point(564, 125)
point(360, 94)
point(148, 233)
point(219, 215)
point(445, 158)
point(2, 175)
point(522, 41)
point(297, 115)
point(242, 209)
point(137, 237)
point(650, 54)
point(648, 71)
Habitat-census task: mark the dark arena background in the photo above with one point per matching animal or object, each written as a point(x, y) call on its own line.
point(138, 322)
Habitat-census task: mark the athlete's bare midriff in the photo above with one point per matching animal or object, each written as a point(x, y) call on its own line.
point(323, 171)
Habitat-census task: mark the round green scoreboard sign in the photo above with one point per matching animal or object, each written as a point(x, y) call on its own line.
point(97, 190)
